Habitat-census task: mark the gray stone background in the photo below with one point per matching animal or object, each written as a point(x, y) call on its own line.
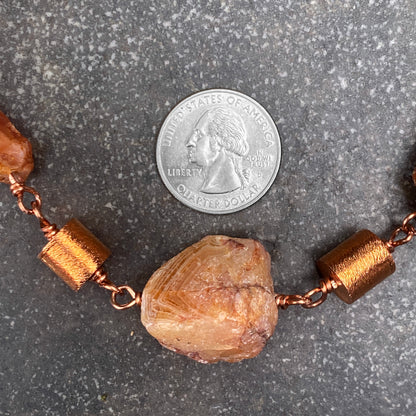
point(90, 83)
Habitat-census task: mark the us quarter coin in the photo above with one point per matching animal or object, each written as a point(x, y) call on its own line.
point(218, 151)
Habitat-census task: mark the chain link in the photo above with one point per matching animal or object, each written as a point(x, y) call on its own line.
point(406, 229)
point(123, 290)
point(306, 300)
point(101, 278)
point(401, 235)
point(19, 189)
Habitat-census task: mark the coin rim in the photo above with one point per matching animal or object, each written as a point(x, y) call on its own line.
point(171, 188)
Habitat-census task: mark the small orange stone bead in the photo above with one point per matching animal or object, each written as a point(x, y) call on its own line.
point(15, 151)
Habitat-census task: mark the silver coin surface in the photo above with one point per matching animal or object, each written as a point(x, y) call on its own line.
point(218, 151)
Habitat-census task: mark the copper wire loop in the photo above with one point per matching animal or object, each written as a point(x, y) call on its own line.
point(136, 298)
point(405, 228)
point(306, 301)
point(18, 189)
point(49, 230)
point(101, 278)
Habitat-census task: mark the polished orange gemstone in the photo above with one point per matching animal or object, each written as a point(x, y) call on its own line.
point(15, 151)
point(214, 301)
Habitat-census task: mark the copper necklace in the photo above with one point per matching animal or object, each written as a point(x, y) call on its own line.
point(215, 300)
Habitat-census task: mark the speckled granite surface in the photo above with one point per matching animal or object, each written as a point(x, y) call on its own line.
point(90, 84)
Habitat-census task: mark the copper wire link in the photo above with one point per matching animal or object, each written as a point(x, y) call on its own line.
point(136, 298)
point(405, 228)
point(101, 278)
point(18, 189)
point(306, 300)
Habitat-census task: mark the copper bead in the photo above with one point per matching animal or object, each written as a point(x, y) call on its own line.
point(15, 151)
point(213, 301)
point(357, 265)
point(74, 254)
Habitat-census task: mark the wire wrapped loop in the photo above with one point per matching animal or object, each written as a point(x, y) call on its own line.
point(306, 301)
point(405, 228)
point(101, 278)
point(18, 189)
point(136, 298)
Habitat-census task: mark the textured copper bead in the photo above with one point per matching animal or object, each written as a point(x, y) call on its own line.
point(74, 254)
point(357, 265)
point(214, 301)
point(15, 151)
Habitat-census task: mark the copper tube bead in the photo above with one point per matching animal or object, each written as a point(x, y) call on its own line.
point(74, 254)
point(357, 265)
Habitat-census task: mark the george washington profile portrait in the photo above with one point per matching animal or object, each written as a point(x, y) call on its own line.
point(218, 144)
